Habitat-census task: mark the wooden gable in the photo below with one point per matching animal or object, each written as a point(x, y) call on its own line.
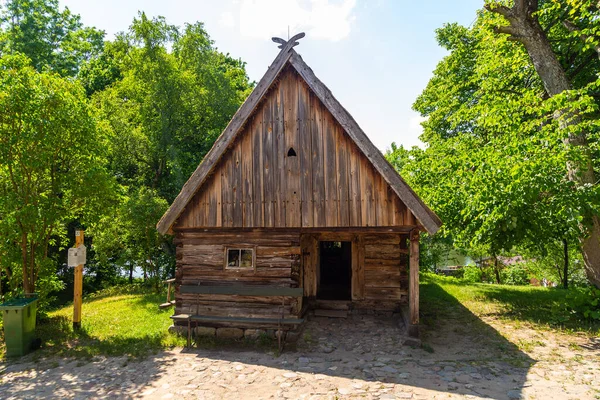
point(293, 165)
point(358, 187)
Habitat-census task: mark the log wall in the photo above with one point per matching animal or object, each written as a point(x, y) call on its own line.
point(328, 183)
point(286, 258)
point(201, 260)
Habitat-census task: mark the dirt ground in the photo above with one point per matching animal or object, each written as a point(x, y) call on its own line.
point(360, 357)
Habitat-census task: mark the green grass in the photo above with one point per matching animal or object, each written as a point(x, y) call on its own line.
point(112, 324)
point(518, 304)
point(121, 321)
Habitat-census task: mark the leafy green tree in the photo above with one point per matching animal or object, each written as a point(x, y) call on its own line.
point(51, 38)
point(175, 95)
point(127, 236)
point(494, 168)
point(573, 23)
point(51, 167)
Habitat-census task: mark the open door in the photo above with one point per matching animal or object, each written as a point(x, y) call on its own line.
point(335, 271)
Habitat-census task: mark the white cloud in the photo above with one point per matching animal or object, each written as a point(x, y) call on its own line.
point(320, 19)
point(227, 20)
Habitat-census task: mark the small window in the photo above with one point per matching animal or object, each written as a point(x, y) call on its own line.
point(291, 152)
point(239, 259)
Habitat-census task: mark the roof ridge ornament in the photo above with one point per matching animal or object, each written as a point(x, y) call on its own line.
point(292, 41)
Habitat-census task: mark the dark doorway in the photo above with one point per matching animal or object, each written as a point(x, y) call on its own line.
point(335, 271)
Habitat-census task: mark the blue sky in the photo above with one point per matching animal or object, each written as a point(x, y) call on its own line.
point(376, 56)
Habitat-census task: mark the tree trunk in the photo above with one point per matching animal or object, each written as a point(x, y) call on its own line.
point(130, 273)
point(25, 262)
point(566, 265)
point(526, 29)
point(497, 270)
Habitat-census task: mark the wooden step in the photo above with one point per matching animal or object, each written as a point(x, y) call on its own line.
point(331, 313)
point(167, 305)
point(333, 305)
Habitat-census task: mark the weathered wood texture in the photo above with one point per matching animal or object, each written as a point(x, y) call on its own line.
point(379, 267)
point(385, 268)
point(328, 183)
point(201, 261)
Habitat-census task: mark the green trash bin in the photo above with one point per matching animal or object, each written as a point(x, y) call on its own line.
point(18, 318)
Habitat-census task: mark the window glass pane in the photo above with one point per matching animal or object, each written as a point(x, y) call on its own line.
point(233, 258)
point(246, 261)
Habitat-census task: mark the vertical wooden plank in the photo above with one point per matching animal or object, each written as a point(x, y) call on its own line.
point(358, 268)
point(409, 217)
point(226, 192)
point(236, 183)
point(200, 207)
point(381, 201)
point(342, 178)
point(292, 164)
point(413, 286)
point(368, 203)
point(257, 169)
point(330, 176)
point(305, 154)
point(247, 177)
point(398, 210)
point(268, 168)
point(278, 155)
point(211, 215)
point(390, 204)
point(355, 192)
point(316, 265)
point(218, 199)
point(310, 255)
point(317, 162)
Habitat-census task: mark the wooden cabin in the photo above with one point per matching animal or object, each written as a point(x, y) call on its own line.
point(293, 203)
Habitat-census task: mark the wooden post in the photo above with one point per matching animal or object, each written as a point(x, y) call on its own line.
point(413, 285)
point(78, 285)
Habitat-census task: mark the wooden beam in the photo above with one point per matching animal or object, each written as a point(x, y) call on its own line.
point(413, 284)
point(243, 290)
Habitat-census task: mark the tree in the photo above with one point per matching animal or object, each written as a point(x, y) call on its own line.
point(494, 168)
point(525, 27)
point(52, 39)
point(175, 96)
point(51, 165)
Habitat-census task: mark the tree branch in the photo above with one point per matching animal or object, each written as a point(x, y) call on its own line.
point(574, 28)
point(500, 9)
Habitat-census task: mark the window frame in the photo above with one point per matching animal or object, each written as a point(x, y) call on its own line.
point(239, 249)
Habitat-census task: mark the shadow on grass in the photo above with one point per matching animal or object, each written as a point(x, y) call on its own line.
point(548, 306)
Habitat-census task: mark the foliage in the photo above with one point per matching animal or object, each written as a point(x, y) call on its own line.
point(472, 274)
point(50, 38)
point(582, 303)
point(170, 106)
point(128, 237)
point(51, 168)
point(164, 95)
point(494, 168)
point(514, 275)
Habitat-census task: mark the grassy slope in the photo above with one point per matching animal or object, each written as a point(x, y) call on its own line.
point(520, 304)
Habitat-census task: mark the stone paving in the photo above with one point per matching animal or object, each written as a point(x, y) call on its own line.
point(360, 357)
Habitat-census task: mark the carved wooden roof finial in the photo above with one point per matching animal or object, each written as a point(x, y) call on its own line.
point(292, 41)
